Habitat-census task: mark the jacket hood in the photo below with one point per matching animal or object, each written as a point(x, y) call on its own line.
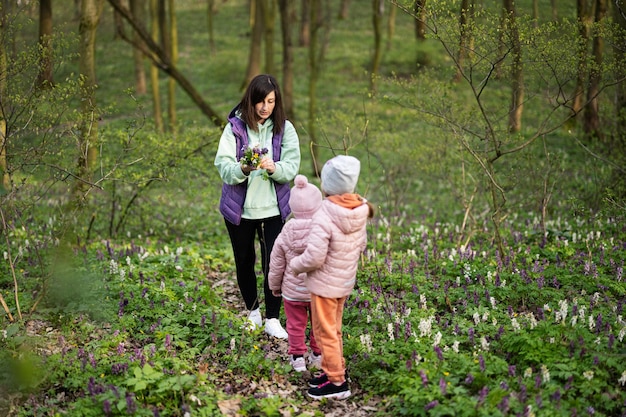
point(347, 220)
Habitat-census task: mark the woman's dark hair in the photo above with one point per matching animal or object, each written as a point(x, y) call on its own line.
point(257, 90)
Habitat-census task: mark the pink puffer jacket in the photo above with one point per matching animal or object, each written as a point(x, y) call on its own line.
point(337, 239)
point(290, 243)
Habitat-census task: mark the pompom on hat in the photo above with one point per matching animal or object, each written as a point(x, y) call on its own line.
point(304, 198)
point(340, 175)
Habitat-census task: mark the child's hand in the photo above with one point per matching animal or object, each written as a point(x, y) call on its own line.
point(277, 293)
point(268, 165)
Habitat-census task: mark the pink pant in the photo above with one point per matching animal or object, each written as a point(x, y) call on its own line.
point(298, 317)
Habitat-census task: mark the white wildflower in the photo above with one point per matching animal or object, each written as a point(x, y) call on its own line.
point(485, 316)
point(597, 341)
point(563, 307)
point(592, 322)
point(621, 334)
point(588, 375)
point(366, 342)
point(437, 339)
point(4, 334)
point(122, 274)
point(484, 344)
point(494, 322)
point(5, 255)
point(546, 307)
point(162, 285)
point(455, 346)
point(195, 399)
point(515, 324)
point(390, 331)
point(595, 297)
point(178, 268)
point(232, 344)
point(368, 318)
point(476, 317)
point(622, 380)
point(574, 321)
point(113, 267)
point(552, 340)
point(423, 301)
point(545, 373)
point(128, 260)
point(179, 251)
point(492, 300)
point(528, 372)
point(426, 326)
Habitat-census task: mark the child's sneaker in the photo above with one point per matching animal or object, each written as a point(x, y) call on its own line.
point(318, 380)
point(254, 320)
point(298, 363)
point(315, 361)
point(330, 390)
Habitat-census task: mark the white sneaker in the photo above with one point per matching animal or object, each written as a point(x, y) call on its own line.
point(254, 319)
point(315, 361)
point(298, 364)
point(273, 328)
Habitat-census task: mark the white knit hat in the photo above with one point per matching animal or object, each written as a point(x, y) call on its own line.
point(304, 198)
point(340, 175)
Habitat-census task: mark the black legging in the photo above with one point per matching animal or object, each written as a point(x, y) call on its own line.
point(242, 238)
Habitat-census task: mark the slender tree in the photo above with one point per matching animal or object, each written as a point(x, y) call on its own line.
point(154, 70)
point(91, 11)
point(583, 20)
point(344, 9)
point(592, 110)
point(256, 42)
point(619, 14)
point(391, 25)
point(45, 79)
point(287, 15)
point(4, 172)
point(466, 37)
point(173, 42)
point(138, 8)
point(305, 23)
point(517, 73)
point(211, 10)
point(419, 10)
point(269, 20)
point(378, 10)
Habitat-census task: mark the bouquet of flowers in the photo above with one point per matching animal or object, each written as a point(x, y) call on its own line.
point(253, 155)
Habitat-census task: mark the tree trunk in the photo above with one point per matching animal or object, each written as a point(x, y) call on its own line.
point(378, 9)
point(320, 34)
point(88, 137)
point(536, 13)
point(269, 23)
point(287, 15)
point(154, 71)
point(517, 74)
point(256, 40)
point(5, 180)
point(138, 8)
point(173, 37)
point(209, 17)
point(419, 8)
point(582, 11)
point(465, 41)
point(305, 23)
point(554, 10)
point(344, 10)
point(45, 80)
point(620, 100)
point(391, 25)
point(592, 108)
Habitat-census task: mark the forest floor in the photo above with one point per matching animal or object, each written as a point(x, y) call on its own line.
point(246, 384)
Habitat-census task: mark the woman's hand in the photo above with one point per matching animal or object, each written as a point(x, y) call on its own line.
point(268, 165)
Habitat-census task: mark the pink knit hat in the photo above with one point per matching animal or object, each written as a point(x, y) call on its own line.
point(305, 198)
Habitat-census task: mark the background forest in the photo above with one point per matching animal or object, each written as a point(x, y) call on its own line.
point(492, 140)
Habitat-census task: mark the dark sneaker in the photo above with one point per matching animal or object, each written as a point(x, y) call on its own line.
point(330, 390)
point(318, 380)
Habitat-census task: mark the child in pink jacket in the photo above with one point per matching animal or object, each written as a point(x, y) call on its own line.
point(335, 243)
point(305, 199)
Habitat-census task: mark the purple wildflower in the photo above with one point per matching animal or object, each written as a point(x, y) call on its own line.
point(512, 370)
point(481, 362)
point(439, 352)
point(131, 407)
point(106, 407)
point(442, 386)
point(469, 379)
point(431, 405)
point(424, 377)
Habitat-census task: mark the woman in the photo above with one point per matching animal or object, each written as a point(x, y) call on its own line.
point(255, 193)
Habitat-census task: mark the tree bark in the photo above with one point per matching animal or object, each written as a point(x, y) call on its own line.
point(154, 70)
point(619, 12)
point(158, 56)
point(344, 10)
point(5, 180)
point(269, 23)
point(305, 23)
point(582, 11)
point(419, 8)
point(45, 80)
point(465, 36)
point(378, 9)
point(138, 8)
point(256, 40)
point(592, 108)
point(391, 25)
point(287, 15)
point(517, 73)
point(88, 136)
point(173, 41)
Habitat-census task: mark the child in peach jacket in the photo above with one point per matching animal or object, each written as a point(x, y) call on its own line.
point(305, 199)
point(336, 241)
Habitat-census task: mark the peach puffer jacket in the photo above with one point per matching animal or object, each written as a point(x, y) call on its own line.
point(290, 243)
point(337, 239)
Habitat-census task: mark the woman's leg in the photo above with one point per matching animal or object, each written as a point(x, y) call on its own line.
point(268, 232)
point(242, 240)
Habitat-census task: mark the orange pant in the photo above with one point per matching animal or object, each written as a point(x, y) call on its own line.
point(327, 318)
